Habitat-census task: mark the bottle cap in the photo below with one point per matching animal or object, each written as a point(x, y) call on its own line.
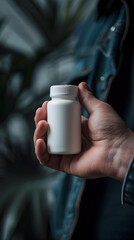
point(63, 90)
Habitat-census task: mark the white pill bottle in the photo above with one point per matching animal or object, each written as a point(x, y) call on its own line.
point(64, 119)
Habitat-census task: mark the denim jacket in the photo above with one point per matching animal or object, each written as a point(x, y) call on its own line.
point(104, 59)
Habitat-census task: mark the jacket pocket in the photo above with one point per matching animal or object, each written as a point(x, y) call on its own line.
point(110, 43)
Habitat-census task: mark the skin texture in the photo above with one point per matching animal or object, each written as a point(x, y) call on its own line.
point(107, 143)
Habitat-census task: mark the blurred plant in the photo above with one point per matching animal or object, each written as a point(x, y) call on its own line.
point(25, 186)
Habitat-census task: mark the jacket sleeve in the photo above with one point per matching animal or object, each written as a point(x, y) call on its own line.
point(127, 196)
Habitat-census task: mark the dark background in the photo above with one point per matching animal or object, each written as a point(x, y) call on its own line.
point(37, 47)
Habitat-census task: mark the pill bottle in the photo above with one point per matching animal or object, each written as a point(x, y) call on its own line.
point(64, 119)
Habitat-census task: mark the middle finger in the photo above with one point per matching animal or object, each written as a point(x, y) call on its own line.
point(41, 131)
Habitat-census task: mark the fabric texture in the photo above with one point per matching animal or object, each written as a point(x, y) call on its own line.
point(105, 60)
point(128, 186)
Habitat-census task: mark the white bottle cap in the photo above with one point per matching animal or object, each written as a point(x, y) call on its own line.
point(60, 90)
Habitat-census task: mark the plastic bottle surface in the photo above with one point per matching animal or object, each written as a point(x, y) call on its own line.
point(64, 119)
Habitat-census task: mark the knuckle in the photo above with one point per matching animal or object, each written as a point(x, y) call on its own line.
point(38, 109)
point(45, 104)
point(41, 124)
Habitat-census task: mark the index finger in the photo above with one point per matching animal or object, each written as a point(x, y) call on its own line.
point(41, 113)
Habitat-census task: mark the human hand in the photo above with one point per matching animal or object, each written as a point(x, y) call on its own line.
point(107, 143)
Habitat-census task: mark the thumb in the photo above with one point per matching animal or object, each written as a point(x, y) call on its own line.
point(86, 98)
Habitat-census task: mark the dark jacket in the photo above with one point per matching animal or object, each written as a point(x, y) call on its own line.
point(92, 209)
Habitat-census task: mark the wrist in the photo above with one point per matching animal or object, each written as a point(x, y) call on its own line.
point(124, 152)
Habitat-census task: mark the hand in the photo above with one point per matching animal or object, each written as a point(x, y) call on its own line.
point(107, 143)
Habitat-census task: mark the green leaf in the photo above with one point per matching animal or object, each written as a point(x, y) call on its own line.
point(1, 22)
point(13, 214)
point(38, 215)
point(7, 50)
point(6, 197)
point(36, 15)
point(71, 17)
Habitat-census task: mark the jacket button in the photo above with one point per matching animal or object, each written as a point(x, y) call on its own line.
point(102, 78)
point(112, 28)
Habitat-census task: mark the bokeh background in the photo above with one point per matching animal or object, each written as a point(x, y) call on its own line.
point(37, 50)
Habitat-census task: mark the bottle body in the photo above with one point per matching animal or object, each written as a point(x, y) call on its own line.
point(64, 119)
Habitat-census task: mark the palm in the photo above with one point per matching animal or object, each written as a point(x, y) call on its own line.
point(102, 134)
point(98, 136)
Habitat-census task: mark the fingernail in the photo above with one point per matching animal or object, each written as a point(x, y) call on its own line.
point(39, 123)
point(85, 85)
point(37, 141)
point(37, 111)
